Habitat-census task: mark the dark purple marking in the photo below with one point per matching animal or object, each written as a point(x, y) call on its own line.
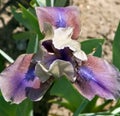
point(65, 54)
point(48, 46)
point(30, 75)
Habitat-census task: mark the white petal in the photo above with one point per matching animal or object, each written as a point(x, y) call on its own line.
point(41, 72)
point(80, 55)
point(59, 68)
point(62, 39)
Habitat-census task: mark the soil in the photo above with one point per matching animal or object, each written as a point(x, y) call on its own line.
point(99, 19)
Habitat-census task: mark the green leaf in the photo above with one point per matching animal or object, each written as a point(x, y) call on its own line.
point(60, 3)
point(116, 48)
point(57, 3)
point(63, 88)
point(48, 2)
point(98, 51)
point(23, 109)
point(23, 35)
point(89, 45)
point(91, 105)
point(6, 109)
point(33, 44)
point(19, 16)
point(28, 19)
point(81, 107)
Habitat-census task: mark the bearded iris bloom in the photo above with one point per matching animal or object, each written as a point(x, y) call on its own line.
point(59, 54)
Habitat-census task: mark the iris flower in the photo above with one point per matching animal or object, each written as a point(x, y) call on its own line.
point(59, 54)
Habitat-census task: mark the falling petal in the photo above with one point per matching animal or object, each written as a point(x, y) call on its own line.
point(36, 94)
point(97, 77)
point(60, 17)
point(19, 81)
point(12, 79)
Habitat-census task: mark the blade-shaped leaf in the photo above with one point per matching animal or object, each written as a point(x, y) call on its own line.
point(33, 44)
point(28, 19)
point(23, 35)
point(89, 45)
point(57, 3)
point(91, 105)
point(60, 3)
point(81, 107)
point(98, 51)
point(48, 2)
point(116, 48)
point(6, 109)
point(23, 109)
point(63, 88)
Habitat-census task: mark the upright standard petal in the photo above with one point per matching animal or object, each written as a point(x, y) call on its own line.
point(18, 81)
point(60, 17)
point(97, 77)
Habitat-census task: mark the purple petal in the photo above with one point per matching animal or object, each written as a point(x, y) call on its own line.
point(60, 17)
point(17, 78)
point(36, 94)
point(98, 77)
